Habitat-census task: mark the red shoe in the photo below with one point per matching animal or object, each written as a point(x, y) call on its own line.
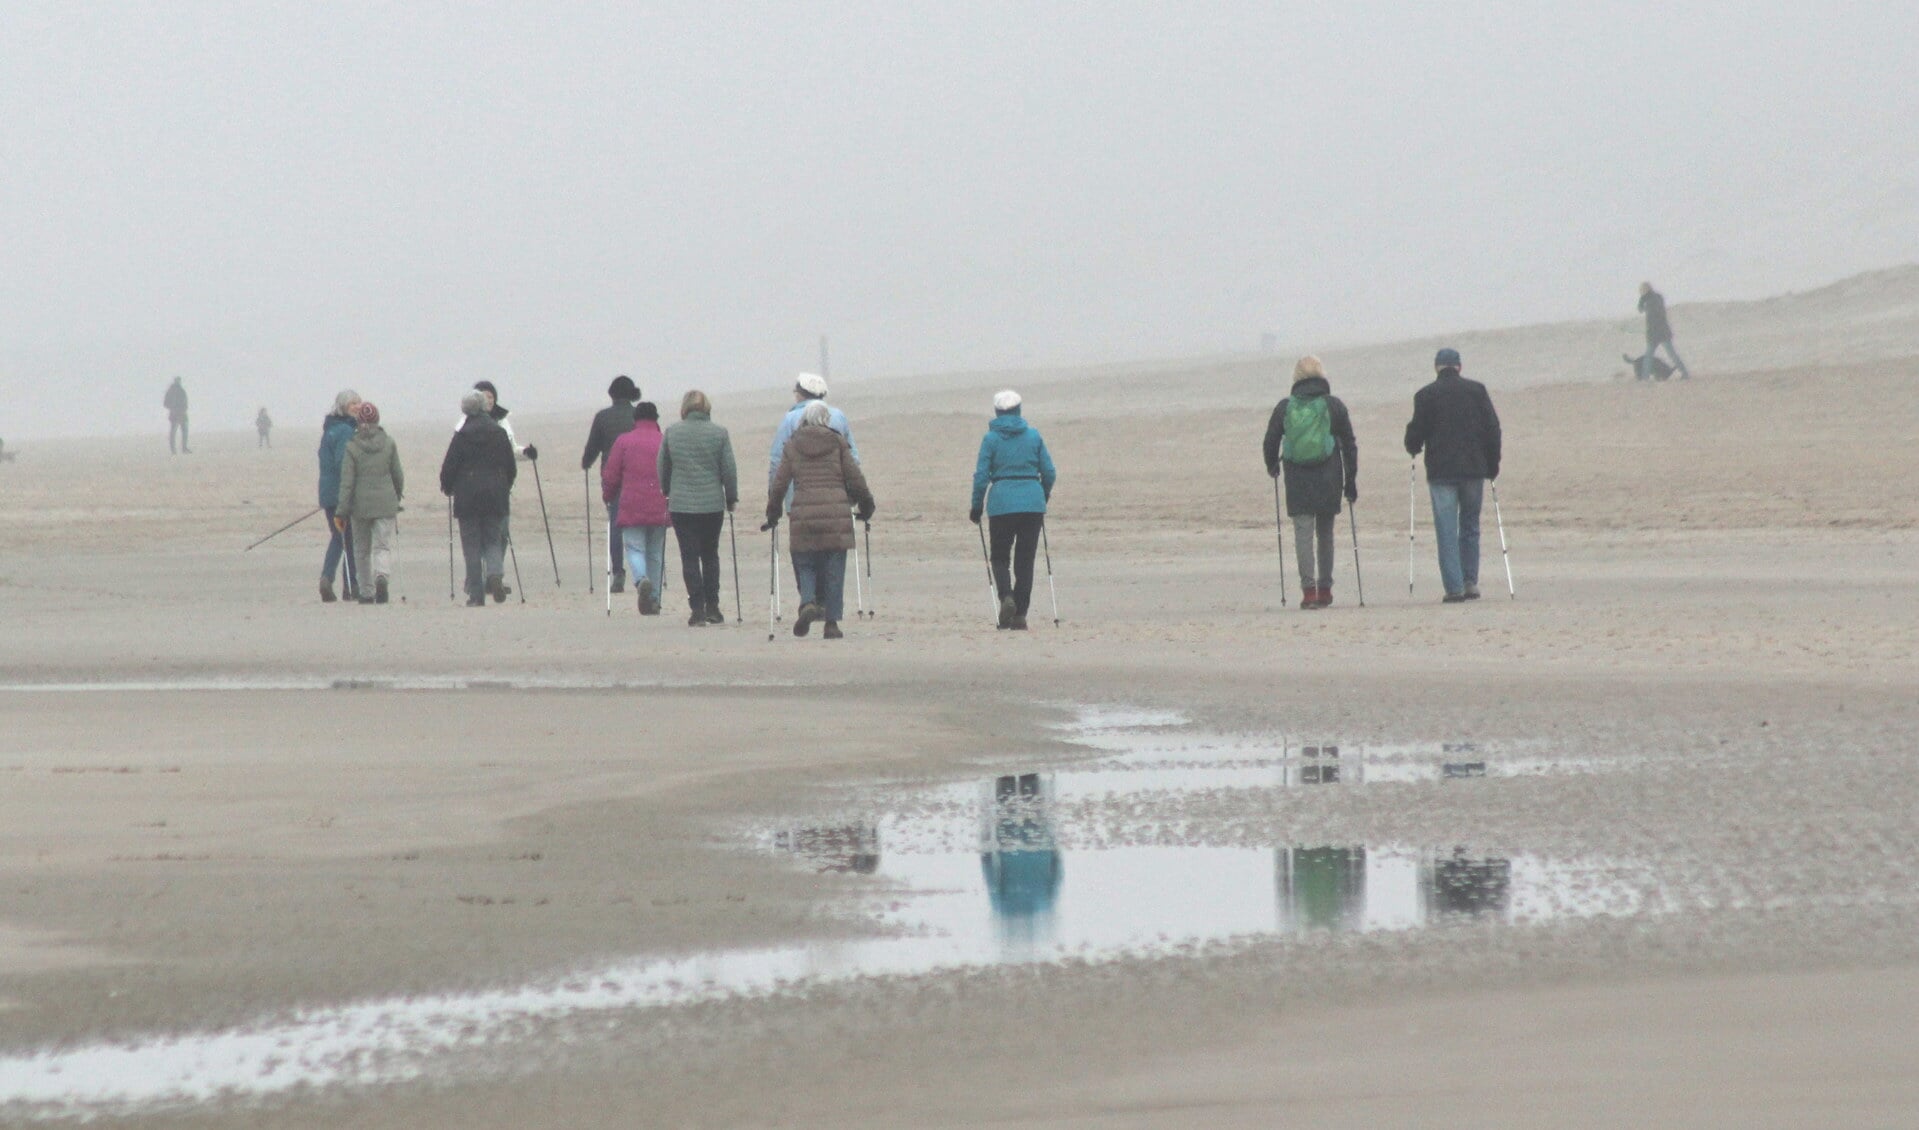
point(1309, 600)
point(1325, 597)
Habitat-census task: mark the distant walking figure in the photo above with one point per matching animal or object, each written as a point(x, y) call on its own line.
point(335, 432)
point(630, 484)
point(1454, 423)
point(263, 423)
point(609, 424)
point(1012, 483)
point(371, 487)
point(826, 482)
point(1658, 333)
point(701, 482)
point(477, 474)
point(175, 402)
point(1310, 435)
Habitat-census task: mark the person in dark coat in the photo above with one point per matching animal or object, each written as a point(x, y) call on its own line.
point(175, 402)
point(336, 431)
point(1658, 333)
point(477, 474)
point(1455, 425)
point(612, 422)
point(1321, 464)
point(818, 464)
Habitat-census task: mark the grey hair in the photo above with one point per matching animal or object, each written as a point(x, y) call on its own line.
point(474, 403)
point(344, 400)
point(817, 415)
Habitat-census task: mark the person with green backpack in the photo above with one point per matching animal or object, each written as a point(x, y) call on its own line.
point(1310, 436)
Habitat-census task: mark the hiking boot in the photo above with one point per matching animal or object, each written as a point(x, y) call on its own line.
point(496, 588)
point(714, 615)
point(619, 583)
point(379, 590)
point(1018, 623)
point(1007, 611)
point(367, 599)
point(697, 619)
point(1454, 598)
point(648, 606)
point(1309, 600)
point(326, 591)
point(832, 631)
point(1471, 593)
point(1325, 595)
point(476, 602)
point(803, 622)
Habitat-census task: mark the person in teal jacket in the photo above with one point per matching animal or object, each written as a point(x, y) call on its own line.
point(1012, 482)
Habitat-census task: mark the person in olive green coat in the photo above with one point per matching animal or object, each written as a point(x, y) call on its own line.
point(701, 484)
point(371, 486)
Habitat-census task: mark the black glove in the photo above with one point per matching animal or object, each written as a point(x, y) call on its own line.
point(1352, 492)
point(769, 524)
point(532, 453)
point(864, 514)
point(973, 515)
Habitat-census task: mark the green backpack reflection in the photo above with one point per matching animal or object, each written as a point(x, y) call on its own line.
point(1309, 431)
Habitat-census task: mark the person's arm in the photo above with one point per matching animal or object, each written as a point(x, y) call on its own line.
point(1490, 434)
point(776, 488)
point(449, 468)
point(1047, 476)
point(512, 468)
point(789, 423)
point(846, 430)
point(729, 470)
point(1348, 447)
point(349, 472)
point(594, 446)
point(399, 476)
point(855, 479)
point(1275, 431)
point(663, 464)
point(982, 474)
point(1419, 428)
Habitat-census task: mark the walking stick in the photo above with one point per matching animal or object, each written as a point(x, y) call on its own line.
point(1279, 528)
point(772, 579)
point(869, 568)
point(992, 586)
point(859, 587)
point(1050, 590)
point(285, 528)
point(517, 583)
point(541, 491)
point(1352, 519)
point(779, 608)
point(1511, 593)
point(739, 615)
point(1412, 476)
point(609, 560)
point(449, 547)
point(586, 492)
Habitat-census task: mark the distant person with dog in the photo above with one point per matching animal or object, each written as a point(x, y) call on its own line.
point(1455, 425)
point(1658, 333)
point(175, 402)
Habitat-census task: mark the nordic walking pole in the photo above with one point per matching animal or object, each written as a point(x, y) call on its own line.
point(992, 586)
point(449, 547)
point(1412, 476)
point(859, 586)
point(285, 528)
point(739, 616)
point(1511, 593)
point(869, 567)
point(772, 577)
point(1352, 519)
point(586, 490)
point(779, 611)
point(1050, 590)
point(549, 526)
point(1279, 528)
point(517, 583)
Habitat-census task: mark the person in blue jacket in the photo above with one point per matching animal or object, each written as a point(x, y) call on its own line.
point(1012, 483)
point(337, 429)
point(807, 388)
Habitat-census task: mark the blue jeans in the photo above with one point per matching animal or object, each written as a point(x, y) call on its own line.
point(822, 577)
point(1456, 529)
point(645, 554)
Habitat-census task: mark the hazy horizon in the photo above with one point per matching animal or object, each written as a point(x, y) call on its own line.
point(273, 203)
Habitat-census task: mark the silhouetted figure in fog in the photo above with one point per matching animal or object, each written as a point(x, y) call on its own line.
point(1658, 333)
point(263, 424)
point(175, 402)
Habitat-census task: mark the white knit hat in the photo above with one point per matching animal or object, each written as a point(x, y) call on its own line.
point(1005, 401)
point(812, 384)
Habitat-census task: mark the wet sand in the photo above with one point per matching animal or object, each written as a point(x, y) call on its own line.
point(1716, 607)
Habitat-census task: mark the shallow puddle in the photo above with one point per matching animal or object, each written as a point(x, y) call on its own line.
point(964, 876)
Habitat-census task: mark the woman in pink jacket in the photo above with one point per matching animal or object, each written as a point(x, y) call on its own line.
point(631, 474)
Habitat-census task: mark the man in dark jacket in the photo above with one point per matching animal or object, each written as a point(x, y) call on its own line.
point(175, 402)
point(612, 422)
point(477, 474)
point(1321, 464)
point(1658, 332)
point(1454, 423)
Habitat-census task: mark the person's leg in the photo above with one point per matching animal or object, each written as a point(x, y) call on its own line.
point(1678, 362)
point(806, 573)
point(494, 557)
point(473, 548)
point(1471, 494)
point(1445, 496)
point(186, 448)
point(385, 530)
point(1025, 548)
point(173, 433)
point(1001, 528)
point(616, 559)
point(632, 543)
point(362, 531)
point(710, 560)
point(1303, 550)
point(335, 546)
point(1323, 532)
point(347, 567)
point(653, 538)
point(831, 573)
point(687, 537)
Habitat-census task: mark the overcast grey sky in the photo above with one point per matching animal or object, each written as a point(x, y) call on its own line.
point(275, 199)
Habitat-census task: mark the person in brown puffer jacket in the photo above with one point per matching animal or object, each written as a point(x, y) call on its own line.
point(826, 483)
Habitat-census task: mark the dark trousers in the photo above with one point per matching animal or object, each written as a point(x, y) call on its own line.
point(339, 555)
point(1015, 538)
point(483, 541)
point(699, 539)
point(176, 425)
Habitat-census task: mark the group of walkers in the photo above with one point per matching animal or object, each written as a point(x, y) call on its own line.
point(361, 485)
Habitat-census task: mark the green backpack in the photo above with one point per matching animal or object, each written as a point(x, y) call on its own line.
point(1309, 431)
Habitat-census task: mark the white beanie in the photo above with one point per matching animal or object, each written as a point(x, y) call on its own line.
point(812, 384)
point(1005, 401)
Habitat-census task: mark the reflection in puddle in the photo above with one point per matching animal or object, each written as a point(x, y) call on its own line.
point(977, 874)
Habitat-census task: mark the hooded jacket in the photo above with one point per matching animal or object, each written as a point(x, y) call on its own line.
point(371, 482)
point(1314, 489)
point(1454, 423)
point(609, 424)
point(335, 432)
point(479, 470)
point(631, 474)
point(1014, 474)
point(696, 467)
point(818, 464)
point(1658, 329)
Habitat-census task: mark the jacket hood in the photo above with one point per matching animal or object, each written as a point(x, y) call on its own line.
point(1313, 386)
point(1011, 424)
point(371, 434)
point(815, 441)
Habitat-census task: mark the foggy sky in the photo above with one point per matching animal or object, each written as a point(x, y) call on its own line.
point(274, 200)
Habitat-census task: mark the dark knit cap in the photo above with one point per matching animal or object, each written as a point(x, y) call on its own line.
point(646, 410)
point(623, 388)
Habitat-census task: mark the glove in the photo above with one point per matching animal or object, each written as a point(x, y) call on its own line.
point(974, 515)
point(1352, 492)
point(864, 514)
point(532, 453)
point(770, 523)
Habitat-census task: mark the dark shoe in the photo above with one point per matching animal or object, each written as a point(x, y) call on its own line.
point(648, 606)
point(832, 631)
point(379, 591)
point(1454, 598)
point(476, 602)
point(1472, 592)
point(803, 622)
point(714, 615)
point(496, 588)
point(1018, 624)
point(1007, 611)
point(363, 600)
point(326, 591)
point(619, 583)
point(697, 619)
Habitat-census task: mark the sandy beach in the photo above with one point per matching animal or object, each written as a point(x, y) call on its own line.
point(232, 809)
